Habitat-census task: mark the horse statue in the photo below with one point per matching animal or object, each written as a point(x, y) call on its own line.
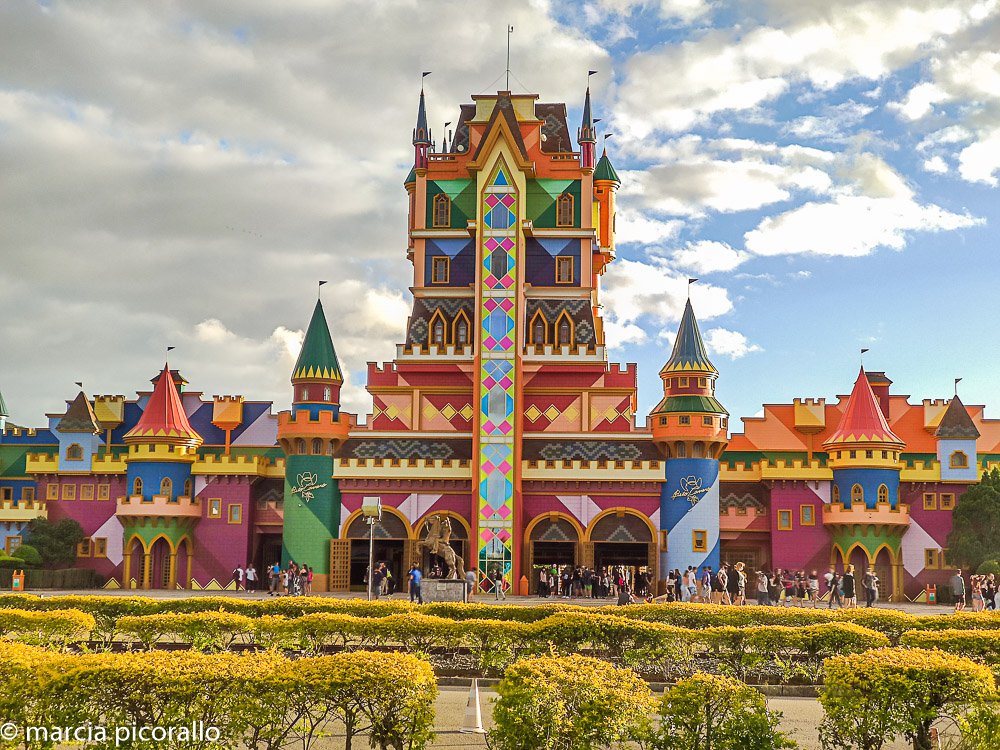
point(436, 542)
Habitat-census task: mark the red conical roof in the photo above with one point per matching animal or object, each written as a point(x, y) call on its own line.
point(863, 420)
point(164, 420)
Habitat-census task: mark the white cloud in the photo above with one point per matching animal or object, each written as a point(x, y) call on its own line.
point(979, 161)
point(708, 256)
point(920, 101)
point(936, 164)
point(732, 344)
point(635, 226)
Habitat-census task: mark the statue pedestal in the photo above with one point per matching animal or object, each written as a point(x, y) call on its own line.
point(443, 590)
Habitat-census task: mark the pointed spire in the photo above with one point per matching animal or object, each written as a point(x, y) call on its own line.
point(164, 420)
point(689, 354)
point(587, 133)
point(318, 359)
point(863, 420)
point(79, 417)
point(605, 171)
point(421, 133)
point(956, 422)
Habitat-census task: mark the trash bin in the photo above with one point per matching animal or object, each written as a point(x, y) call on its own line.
point(931, 593)
point(17, 581)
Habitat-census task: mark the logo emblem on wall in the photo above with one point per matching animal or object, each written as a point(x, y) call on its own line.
point(308, 482)
point(691, 489)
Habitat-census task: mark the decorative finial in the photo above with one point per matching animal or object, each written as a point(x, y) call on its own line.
point(863, 358)
point(690, 282)
point(79, 384)
point(957, 381)
point(510, 30)
point(319, 286)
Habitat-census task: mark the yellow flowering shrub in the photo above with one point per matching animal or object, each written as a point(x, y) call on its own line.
point(56, 627)
point(979, 645)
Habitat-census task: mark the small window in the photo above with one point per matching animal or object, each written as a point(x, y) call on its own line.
point(327, 393)
point(564, 210)
point(442, 211)
point(74, 452)
point(706, 421)
point(83, 548)
point(564, 270)
point(6, 493)
point(104, 492)
point(930, 501)
point(52, 492)
point(564, 335)
point(462, 332)
point(857, 494)
point(437, 333)
point(440, 269)
point(885, 454)
point(699, 540)
point(498, 263)
point(663, 421)
point(87, 492)
point(188, 488)
point(807, 515)
point(701, 382)
point(538, 330)
point(28, 493)
point(100, 547)
point(784, 520)
point(682, 382)
point(869, 454)
point(931, 559)
point(883, 493)
point(959, 460)
point(305, 394)
point(853, 454)
point(167, 488)
point(947, 501)
point(235, 513)
point(681, 449)
point(835, 494)
point(137, 486)
point(724, 422)
point(215, 507)
point(69, 492)
point(684, 419)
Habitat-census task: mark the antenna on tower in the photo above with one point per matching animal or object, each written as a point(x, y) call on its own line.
point(510, 30)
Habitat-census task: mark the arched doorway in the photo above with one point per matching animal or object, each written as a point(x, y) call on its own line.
point(884, 566)
point(459, 542)
point(553, 540)
point(159, 564)
point(135, 564)
point(391, 534)
point(623, 539)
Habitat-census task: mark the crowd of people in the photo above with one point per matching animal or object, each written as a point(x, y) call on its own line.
point(295, 580)
point(983, 590)
point(577, 582)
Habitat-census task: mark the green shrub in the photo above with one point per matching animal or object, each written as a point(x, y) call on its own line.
point(989, 566)
point(203, 631)
point(568, 703)
point(495, 644)
point(875, 696)
point(28, 554)
point(708, 712)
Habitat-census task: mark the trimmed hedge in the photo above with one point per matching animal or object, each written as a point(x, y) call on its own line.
point(258, 700)
point(55, 627)
point(873, 697)
point(979, 645)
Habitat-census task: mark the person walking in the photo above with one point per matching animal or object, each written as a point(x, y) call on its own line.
point(870, 582)
point(763, 583)
point(274, 575)
point(740, 585)
point(377, 578)
point(414, 579)
point(251, 576)
point(238, 577)
point(958, 590)
point(835, 593)
point(850, 588)
point(498, 584)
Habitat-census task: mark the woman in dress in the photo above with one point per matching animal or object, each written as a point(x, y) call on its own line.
point(741, 584)
point(850, 592)
point(978, 601)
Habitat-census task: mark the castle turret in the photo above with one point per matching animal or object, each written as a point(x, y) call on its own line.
point(310, 434)
point(864, 510)
point(78, 434)
point(689, 427)
point(956, 444)
point(606, 184)
point(160, 500)
point(587, 136)
point(421, 135)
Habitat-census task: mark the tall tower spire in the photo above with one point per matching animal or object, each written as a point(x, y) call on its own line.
point(421, 135)
point(586, 135)
point(690, 429)
point(311, 434)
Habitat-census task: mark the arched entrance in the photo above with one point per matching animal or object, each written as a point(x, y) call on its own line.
point(623, 539)
point(159, 564)
point(391, 535)
point(551, 540)
point(135, 564)
point(459, 542)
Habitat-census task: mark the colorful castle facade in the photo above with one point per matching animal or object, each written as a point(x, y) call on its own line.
point(502, 412)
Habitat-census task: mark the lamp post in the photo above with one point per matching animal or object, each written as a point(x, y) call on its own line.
point(371, 509)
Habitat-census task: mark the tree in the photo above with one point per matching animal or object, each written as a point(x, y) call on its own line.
point(975, 531)
point(27, 553)
point(55, 542)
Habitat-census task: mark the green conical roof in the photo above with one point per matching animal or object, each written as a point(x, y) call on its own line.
point(689, 353)
point(604, 170)
point(317, 360)
point(3, 407)
point(411, 177)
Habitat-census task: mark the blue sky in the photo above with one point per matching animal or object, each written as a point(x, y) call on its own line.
point(181, 174)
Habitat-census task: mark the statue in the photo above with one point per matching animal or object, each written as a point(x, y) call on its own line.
point(436, 542)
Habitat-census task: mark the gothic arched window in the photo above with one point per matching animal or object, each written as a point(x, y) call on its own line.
point(564, 210)
point(857, 494)
point(442, 211)
point(167, 487)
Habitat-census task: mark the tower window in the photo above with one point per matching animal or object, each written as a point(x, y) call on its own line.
point(564, 210)
point(682, 382)
point(681, 450)
point(166, 487)
point(784, 520)
point(564, 333)
point(495, 489)
point(188, 488)
point(137, 486)
point(857, 494)
point(835, 494)
point(959, 460)
point(74, 452)
point(699, 540)
point(326, 393)
point(317, 447)
point(498, 263)
point(564, 270)
point(869, 454)
point(947, 500)
point(440, 269)
point(305, 394)
point(706, 421)
point(438, 332)
point(461, 332)
point(883, 493)
point(684, 419)
point(538, 332)
point(442, 211)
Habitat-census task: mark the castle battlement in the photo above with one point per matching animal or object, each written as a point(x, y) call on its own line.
point(836, 514)
point(23, 511)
